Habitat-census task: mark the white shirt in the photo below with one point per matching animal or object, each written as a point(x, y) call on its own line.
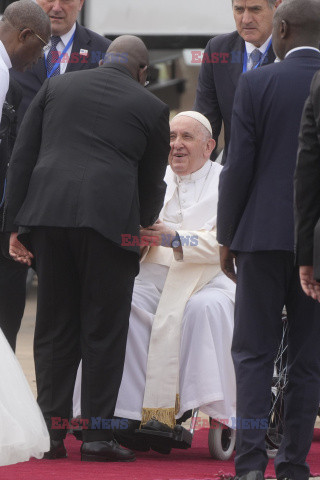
point(190, 189)
point(250, 47)
point(190, 205)
point(301, 48)
point(5, 64)
point(61, 46)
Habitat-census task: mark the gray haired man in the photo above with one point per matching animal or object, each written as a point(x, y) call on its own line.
point(227, 56)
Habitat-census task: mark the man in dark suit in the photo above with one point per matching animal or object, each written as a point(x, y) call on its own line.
point(307, 194)
point(85, 50)
point(12, 274)
point(87, 168)
point(24, 31)
point(227, 56)
point(255, 223)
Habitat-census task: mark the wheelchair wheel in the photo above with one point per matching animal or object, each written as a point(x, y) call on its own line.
point(221, 440)
point(279, 381)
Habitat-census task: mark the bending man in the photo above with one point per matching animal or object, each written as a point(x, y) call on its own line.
point(88, 165)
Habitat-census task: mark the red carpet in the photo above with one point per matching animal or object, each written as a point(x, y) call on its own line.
point(192, 464)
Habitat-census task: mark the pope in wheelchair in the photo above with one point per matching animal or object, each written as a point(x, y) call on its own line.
point(181, 323)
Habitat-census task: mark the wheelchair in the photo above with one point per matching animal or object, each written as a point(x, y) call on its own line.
point(221, 438)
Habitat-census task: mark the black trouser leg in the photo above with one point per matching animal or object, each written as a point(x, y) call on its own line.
point(57, 332)
point(266, 282)
point(85, 289)
point(107, 277)
point(260, 297)
point(303, 389)
point(13, 277)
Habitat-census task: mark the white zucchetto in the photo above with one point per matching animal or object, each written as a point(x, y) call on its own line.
point(196, 116)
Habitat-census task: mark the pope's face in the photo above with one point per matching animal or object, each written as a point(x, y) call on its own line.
point(253, 20)
point(190, 147)
point(62, 13)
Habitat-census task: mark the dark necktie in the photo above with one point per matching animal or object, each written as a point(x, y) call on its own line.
point(53, 56)
point(255, 58)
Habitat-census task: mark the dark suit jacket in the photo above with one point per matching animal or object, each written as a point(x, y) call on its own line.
point(255, 209)
point(219, 75)
point(307, 179)
point(32, 80)
point(13, 98)
point(91, 152)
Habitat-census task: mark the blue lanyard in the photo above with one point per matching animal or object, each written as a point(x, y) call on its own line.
point(245, 58)
point(49, 74)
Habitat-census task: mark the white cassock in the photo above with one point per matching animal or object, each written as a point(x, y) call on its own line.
point(206, 373)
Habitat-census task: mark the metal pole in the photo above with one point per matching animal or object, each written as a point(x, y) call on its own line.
point(194, 420)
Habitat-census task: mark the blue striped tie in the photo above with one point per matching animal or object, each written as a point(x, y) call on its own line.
point(53, 56)
point(255, 57)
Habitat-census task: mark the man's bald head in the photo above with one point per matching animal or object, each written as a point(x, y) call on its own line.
point(24, 30)
point(296, 24)
point(27, 14)
point(132, 53)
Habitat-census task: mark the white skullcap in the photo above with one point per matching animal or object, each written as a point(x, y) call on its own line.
point(197, 116)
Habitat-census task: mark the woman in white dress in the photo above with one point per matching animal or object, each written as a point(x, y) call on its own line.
point(23, 432)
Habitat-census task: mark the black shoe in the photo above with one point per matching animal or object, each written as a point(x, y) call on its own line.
point(160, 448)
point(104, 451)
point(57, 450)
point(157, 426)
point(129, 439)
point(159, 444)
point(253, 475)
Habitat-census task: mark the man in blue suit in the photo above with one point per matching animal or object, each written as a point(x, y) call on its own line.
point(256, 226)
point(227, 56)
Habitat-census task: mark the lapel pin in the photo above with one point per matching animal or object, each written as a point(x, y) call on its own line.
point(84, 52)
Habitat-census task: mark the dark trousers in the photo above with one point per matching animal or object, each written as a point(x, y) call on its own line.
point(13, 277)
point(266, 282)
point(85, 285)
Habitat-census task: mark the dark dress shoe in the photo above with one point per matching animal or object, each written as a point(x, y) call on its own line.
point(157, 426)
point(253, 475)
point(57, 450)
point(104, 451)
point(160, 448)
point(129, 439)
point(159, 444)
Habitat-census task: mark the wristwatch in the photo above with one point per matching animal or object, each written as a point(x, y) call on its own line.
point(176, 242)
